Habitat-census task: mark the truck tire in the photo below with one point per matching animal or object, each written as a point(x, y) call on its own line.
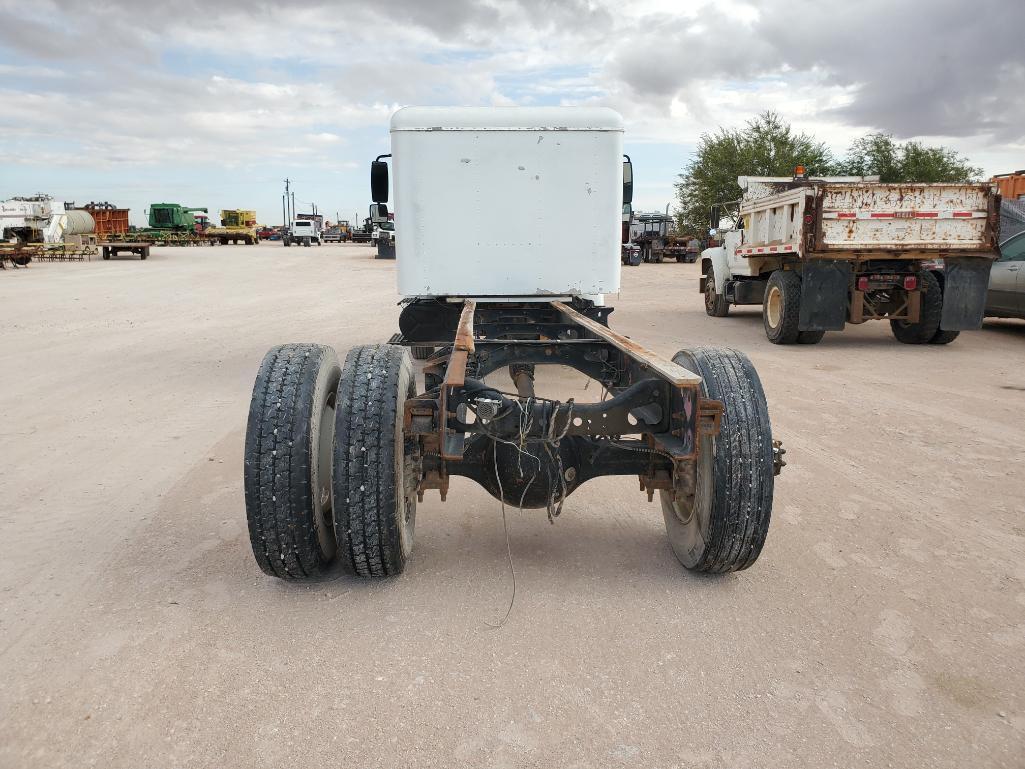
point(723, 527)
point(287, 469)
point(421, 352)
point(375, 474)
point(781, 308)
point(930, 311)
point(944, 337)
point(716, 305)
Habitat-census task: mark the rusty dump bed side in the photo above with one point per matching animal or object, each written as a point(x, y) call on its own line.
point(931, 217)
point(890, 220)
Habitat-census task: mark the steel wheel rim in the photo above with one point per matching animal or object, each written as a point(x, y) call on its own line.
point(324, 509)
point(774, 306)
point(405, 486)
point(694, 518)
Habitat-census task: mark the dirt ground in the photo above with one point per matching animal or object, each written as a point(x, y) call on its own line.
point(883, 626)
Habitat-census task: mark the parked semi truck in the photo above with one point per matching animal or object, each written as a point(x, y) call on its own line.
point(339, 454)
point(658, 240)
point(820, 253)
point(305, 230)
point(237, 226)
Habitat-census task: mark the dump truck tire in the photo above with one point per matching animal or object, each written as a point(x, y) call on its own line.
point(375, 476)
point(421, 352)
point(723, 527)
point(287, 472)
point(930, 311)
point(781, 308)
point(716, 306)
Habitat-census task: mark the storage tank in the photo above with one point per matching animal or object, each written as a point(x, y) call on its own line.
point(77, 222)
point(507, 201)
point(68, 223)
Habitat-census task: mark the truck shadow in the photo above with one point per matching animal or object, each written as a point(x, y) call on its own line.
point(1007, 327)
point(864, 338)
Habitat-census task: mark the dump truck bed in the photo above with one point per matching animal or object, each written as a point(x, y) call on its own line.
point(891, 221)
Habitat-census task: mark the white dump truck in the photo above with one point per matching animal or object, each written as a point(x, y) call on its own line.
point(338, 455)
point(820, 253)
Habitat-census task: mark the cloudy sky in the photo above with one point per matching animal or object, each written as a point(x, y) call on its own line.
point(214, 104)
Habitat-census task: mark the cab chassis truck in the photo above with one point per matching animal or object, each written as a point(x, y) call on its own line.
point(337, 456)
point(820, 253)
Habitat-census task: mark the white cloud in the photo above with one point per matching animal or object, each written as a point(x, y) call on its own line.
point(310, 85)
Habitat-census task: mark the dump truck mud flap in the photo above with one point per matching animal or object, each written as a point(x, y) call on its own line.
point(824, 288)
point(964, 293)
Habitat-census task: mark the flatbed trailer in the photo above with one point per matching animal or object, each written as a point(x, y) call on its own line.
point(114, 248)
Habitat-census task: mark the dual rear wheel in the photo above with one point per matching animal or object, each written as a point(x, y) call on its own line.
point(328, 477)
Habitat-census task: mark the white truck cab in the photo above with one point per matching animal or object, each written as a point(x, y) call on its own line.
point(305, 232)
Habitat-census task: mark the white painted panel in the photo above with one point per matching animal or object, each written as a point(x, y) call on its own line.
point(523, 202)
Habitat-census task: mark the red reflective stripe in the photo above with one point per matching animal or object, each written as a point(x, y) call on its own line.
point(962, 214)
point(772, 248)
point(881, 214)
point(846, 216)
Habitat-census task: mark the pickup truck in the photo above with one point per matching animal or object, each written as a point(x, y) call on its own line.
point(820, 253)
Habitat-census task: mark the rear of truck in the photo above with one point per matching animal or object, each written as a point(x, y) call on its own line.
point(819, 255)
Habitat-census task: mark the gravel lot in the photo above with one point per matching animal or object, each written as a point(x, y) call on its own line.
point(884, 624)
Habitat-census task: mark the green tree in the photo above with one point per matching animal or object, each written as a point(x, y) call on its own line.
point(766, 146)
point(894, 163)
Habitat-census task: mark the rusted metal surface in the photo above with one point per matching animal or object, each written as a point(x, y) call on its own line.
point(109, 221)
point(871, 220)
point(674, 373)
point(464, 331)
point(1011, 186)
point(455, 376)
point(913, 217)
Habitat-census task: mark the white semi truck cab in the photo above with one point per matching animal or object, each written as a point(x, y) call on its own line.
point(339, 454)
point(820, 253)
point(305, 232)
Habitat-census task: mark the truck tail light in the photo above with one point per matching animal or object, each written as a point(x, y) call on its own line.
point(808, 218)
point(910, 283)
point(862, 284)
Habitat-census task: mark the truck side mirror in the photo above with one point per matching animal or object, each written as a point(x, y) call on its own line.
point(378, 212)
point(379, 180)
point(628, 180)
point(713, 218)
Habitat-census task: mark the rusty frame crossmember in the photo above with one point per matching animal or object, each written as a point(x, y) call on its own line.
point(651, 423)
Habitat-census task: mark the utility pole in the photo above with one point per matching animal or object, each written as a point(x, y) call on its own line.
point(289, 197)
